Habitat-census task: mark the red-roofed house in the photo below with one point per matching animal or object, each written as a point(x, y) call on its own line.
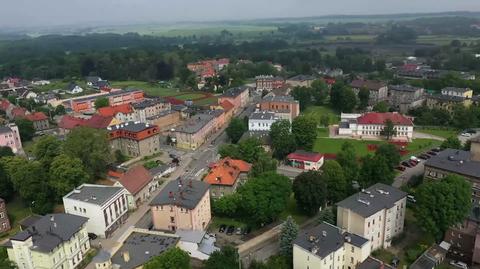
point(39, 119)
point(17, 112)
point(101, 122)
point(5, 105)
point(226, 175)
point(139, 183)
point(68, 122)
point(371, 125)
point(305, 160)
point(122, 112)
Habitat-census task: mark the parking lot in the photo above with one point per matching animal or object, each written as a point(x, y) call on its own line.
point(409, 167)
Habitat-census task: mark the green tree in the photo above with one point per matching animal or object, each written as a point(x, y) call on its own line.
point(304, 129)
point(283, 141)
point(173, 258)
point(342, 98)
point(226, 258)
point(335, 180)
point(390, 153)
point(347, 158)
point(327, 215)
point(60, 110)
point(325, 120)
point(226, 206)
point(235, 129)
point(319, 91)
point(388, 130)
point(6, 186)
point(25, 127)
point(101, 102)
point(5, 263)
point(443, 203)
point(451, 143)
point(119, 156)
point(381, 107)
point(375, 169)
point(303, 95)
point(287, 236)
point(263, 164)
point(6, 152)
point(66, 173)
point(91, 147)
point(46, 149)
point(310, 192)
point(363, 97)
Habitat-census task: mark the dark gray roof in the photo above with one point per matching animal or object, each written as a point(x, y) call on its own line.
point(162, 114)
point(262, 115)
point(302, 78)
point(141, 247)
point(160, 169)
point(455, 89)
point(148, 103)
point(195, 123)
point(29, 221)
point(355, 240)
point(403, 88)
point(442, 97)
point(93, 79)
point(373, 199)
point(181, 192)
point(372, 263)
point(455, 161)
point(5, 129)
point(321, 240)
point(131, 126)
point(279, 98)
point(51, 230)
point(102, 83)
point(423, 262)
point(234, 92)
point(93, 194)
point(102, 256)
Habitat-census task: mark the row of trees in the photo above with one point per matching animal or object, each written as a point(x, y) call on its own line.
point(286, 137)
point(461, 117)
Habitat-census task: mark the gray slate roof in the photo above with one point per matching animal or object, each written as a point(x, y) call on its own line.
point(262, 115)
point(193, 236)
point(403, 88)
point(93, 194)
point(183, 193)
point(455, 161)
point(442, 97)
point(234, 92)
point(455, 89)
point(148, 103)
point(141, 247)
point(5, 129)
point(372, 199)
point(51, 230)
point(195, 123)
point(132, 126)
point(371, 263)
point(279, 98)
point(321, 240)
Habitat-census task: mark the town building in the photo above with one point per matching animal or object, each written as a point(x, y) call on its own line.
point(261, 120)
point(446, 102)
point(269, 82)
point(165, 120)
point(149, 108)
point(4, 221)
point(67, 122)
point(39, 120)
point(226, 175)
point(195, 131)
point(53, 241)
point(103, 260)
point(115, 98)
point(464, 239)
point(105, 207)
point(371, 125)
point(182, 204)
point(460, 92)
point(162, 170)
point(285, 107)
point(10, 137)
point(228, 109)
point(17, 112)
point(139, 184)
point(432, 257)
point(378, 90)
point(135, 139)
point(208, 68)
point(122, 113)
point(405, 97)
point(238, 97)
point(376, 213)
point(73, 88)
point(305, 160)
point(301, 81)
point(198, 244)
point(326, 246)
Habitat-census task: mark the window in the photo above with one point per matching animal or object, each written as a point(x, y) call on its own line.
point(172, 219)
point(75, 208)
point(353, 250)
point(351, 259)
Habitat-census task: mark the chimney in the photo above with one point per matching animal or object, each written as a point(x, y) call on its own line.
point(126, 256)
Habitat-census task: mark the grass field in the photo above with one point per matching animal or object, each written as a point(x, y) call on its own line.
point(149, 88)
point(207, 101)
point(350, 38)
point(16, 212)
point(318, 111)
point(444, 39)
point(58, 84)
point(189, 96)
point(445, 133)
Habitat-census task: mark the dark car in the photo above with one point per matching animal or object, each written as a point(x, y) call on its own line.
point(422, 157)
point(395, 262)
point(436, 150)
point(426, 156)
point(407, 164)
point(247, 230)
point(222, 228)
point(413, 163)
point(92, 236)
point(432, 153)
point(400, 168)
point(230, 229)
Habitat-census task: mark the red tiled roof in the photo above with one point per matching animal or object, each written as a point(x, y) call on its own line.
point(4, 104)
point(113, 110)
point(18, 112)
point(227, 105)
point(37, 116)
point(114, 174)
point(69, 122)
point(305, 156)
point(226, 171)
point(99, 122)
point(380, 118)
point(135, 179)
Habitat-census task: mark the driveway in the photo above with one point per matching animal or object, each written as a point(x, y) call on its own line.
point(426, 136)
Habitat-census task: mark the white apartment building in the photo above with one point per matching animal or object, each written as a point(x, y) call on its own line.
point(106, 207)
point(261, 120)
point(149, 108)
point(58, 241)
point(376, 213)
point(328, 247)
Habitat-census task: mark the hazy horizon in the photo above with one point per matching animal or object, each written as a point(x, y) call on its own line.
point(34, 13)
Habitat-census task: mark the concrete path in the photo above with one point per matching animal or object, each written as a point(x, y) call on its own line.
point(427, 136)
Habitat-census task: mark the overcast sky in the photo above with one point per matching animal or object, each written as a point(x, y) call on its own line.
point(62, 12)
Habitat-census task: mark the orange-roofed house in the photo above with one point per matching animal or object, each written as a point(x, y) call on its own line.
point(140, 185)
point(226, 175)
point(39, 119)
point(122, 113)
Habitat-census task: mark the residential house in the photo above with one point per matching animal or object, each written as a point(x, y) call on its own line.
point(464, 240)
point(40, 121)
point(432, 257)
point(378, 90)
point(238, 96)
point(182, 204)
point(326, 246)
point(226, 175)
point(269, 82)
point(4, 221)
point(446, 102)
point(92, 80)
point(459, 92)
point(135, 139)
point(301, 81)
point(46, 98)
point(115, 98)
point(376, 213)
point(261, 120)
point(122, 113)
point(24, 93)
point(10, 137)
point(17, 112)
point(53, 241)
point(198, 244)
point(285, 107)
point(162, 170)
point(150, 108)
point(166, 119)
point(105, 207)
point(195, 131)
point(305, 160)
point(405, 97)
point(73, 88)
point(228, 109)
point(139, 184)
point(371, 125)
point(208, 68)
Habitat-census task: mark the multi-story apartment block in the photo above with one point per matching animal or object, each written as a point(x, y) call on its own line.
point(225, 176)
point(460, 92)
point(261, 120)
point(115, 98)
point(122, 113)
point(4, 221)
point(378, 90)
point(54, 241)
point(301, 81)
point(404, 97)
point(285, 107)
point(182, 204)
point(269, 82)
point(105, 207)
point(446, 102)
point(166, 119)
point(39, 120)
point(238, 97)
point(377, 214)
point(150, 108)
point(134, 138)
point(195, 131)
point(10, 137)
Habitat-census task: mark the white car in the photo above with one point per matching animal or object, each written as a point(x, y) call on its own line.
point(466, 134)
point(460, 265)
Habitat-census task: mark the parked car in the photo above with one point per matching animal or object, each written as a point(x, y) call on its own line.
point(470, 131)
point(407, 164)
point(413, 163)
point(400, 168)
point(426, 156)
point(92, 236)
point(411, 199)
point(422, 157)
point(457, 264)
point(239, 231)
point(437, 149)
point(247, 230)
point(466, 134)
point(222, 228)
point(230, 229)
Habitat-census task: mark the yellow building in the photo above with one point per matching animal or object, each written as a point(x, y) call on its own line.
point(460, 92)
point(54, 241)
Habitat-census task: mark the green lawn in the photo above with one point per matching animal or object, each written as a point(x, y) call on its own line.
point(293, 211)
point(207, 101)
point(421, 144)
point(322, 132)
point(154, 89)
point(189, 96)
point(16, 212)
point(444, 39)
point(318, 111)
point(441, 132)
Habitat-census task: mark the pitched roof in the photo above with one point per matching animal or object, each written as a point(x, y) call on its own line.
point(369, 84)
point(69, 122)
point(183, 193)
point(110, 111)
point(302, 78)
point(226, 171)
point(37, 116)
point(380, 118)
point(305, 156)
point(18, 112)
point(99, 122)
point(4, 104)
point(455, 89)
point(234, 92)
point(226, 105)
point(456, 161)
point(135, 179)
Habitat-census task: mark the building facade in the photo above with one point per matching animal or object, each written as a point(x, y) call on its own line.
point(301, 81)
point(39, 120)
point(150, 108)
point(226, 175)
point(134, 139)
point(4, 221)
point(305, 160)
point(85, 104)
point(122, 113)
point(195, 131)
point(238, 97)
point(139, 184)
point(446, 102)
point(165, 120)
point(10, 137)
point(281, 105)
point(405, 97)
point(460, 92)
point(261, 121)
point(269, 82)
point(377, 89)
